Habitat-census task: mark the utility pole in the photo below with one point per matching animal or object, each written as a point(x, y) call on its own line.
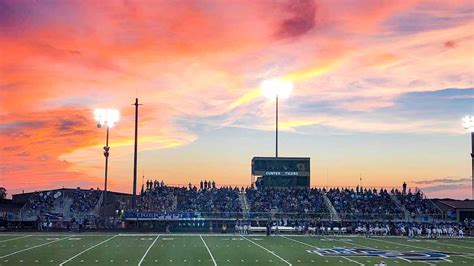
point(106, 154)
point(135, 155)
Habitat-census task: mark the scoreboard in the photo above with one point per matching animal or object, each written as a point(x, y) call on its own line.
point(281, 171)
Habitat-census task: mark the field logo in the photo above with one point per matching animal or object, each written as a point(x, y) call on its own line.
point(408, 255)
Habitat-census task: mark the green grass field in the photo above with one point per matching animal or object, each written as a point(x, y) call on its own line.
point(181, 249)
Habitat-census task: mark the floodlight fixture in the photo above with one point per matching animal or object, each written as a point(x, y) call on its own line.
point(468, 123)
point(106, 117)
point(272, 88)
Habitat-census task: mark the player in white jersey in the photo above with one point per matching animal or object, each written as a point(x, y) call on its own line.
point(386, 230)
point(450, 231)
point(419, 231)
point(237, 227)
point(402, 230)
point(410, 232)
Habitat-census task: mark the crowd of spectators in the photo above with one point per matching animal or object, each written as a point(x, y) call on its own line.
point(303, 200)
point(43, 201)
point(415, 203)
point(84, 201)
point(349, 203)
point(206, 198)
point(283, 204)
point(363, 203)
point(206, 184)
point(154, 184)
point(223, 199)
point(161, 198)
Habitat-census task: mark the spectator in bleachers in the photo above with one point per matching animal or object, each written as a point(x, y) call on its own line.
point(364, 203)
point(84, 201)
point(416, 204)
point(302, 200)
point(190, 199)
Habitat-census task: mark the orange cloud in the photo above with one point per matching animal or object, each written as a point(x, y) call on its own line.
point(32, 144)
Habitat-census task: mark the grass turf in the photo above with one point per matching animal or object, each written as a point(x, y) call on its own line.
point(176, 249)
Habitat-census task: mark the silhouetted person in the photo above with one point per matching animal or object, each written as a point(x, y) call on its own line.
point(201, 185)
point(404, 188)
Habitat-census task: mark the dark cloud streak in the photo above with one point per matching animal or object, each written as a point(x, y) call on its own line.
point(443, 188)
point(442, 181)
point(302, 20)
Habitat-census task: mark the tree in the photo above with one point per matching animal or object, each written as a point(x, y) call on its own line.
point(3, 193)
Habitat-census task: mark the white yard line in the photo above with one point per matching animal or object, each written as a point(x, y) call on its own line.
point(346, 258)
point(10, 239)
point(37, 246)
point(84, 251)
point(144, 255)
point(418, 247)
point(269, 251)
point(210, 254)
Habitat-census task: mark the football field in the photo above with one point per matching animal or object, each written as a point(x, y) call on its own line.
point(218, 249)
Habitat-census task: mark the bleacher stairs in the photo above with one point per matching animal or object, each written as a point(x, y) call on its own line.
point(66, 209)
point(332, 211)
point(436, 205)
point(96, 210)
point(400, 206)
point(244, 204)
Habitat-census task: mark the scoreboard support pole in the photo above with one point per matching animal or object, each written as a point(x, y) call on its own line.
point(276, 131)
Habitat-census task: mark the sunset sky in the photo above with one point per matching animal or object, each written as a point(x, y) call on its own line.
point(380, 90)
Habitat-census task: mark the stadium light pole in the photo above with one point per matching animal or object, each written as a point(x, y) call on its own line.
point(468, 122)
point(107, 118)
point(275, 89)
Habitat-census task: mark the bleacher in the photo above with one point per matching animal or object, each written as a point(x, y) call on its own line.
point(59, 204)
point(211, 202)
